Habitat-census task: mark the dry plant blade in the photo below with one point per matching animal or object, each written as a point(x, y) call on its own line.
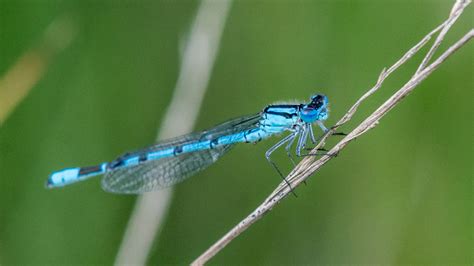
point(456, 12)
point(309, 165)
point(32, 65)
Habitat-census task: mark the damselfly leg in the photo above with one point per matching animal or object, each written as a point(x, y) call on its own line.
point(311, 134)
point(302, 140)
point(288, 147)
point(288, 138)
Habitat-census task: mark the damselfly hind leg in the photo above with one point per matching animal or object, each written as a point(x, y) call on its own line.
point(272, 149)
point(288, 150)
point(288, 147)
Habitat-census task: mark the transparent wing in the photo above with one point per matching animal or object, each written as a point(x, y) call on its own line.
point(165, 172)
point(161, 173)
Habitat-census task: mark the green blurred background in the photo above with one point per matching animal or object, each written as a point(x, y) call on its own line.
point(400, 194)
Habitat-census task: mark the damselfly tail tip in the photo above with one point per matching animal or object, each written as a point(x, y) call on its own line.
point(49, 183)
point(63, 177)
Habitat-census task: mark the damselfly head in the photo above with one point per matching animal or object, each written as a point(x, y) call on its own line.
point(316, 110)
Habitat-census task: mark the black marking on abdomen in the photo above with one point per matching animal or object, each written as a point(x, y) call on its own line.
point(213, 143)
point(89, 169)
point(245, 136)
point(119, 161)
point(177, 150)
point(115, 163)
point(142, 157)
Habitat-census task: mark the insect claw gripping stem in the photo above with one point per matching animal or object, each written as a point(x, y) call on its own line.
point(288, 147)
point(337, 133)
point(288, 138)
point(319, 149)
point(320, 154)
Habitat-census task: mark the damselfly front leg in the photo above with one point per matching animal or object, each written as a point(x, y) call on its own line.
point(311, 134)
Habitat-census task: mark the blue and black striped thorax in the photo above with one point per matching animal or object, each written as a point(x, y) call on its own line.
point(278, 117)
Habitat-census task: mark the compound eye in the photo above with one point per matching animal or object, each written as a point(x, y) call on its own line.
point(316, 97)
point(317, 101)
